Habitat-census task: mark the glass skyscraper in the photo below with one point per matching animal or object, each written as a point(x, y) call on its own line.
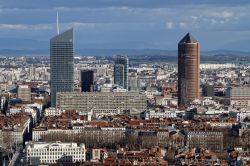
point(61, 64)
point(121, 71)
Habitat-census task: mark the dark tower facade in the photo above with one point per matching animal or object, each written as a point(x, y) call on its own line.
point(188, 70)
point(87, 80)
point(121, 71)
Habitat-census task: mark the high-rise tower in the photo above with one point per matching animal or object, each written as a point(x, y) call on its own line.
point(61, 64)
point(121, 71)
point(87, 80)
point(188, 70)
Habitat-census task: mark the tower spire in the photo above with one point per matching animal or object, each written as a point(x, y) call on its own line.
point(57, 24)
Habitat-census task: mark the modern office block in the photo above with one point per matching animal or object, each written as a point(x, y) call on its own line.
point(121, 71)
point(85, 102)
point(61, 64)
point(208, 90)
point(238, 97)
point(87, 80)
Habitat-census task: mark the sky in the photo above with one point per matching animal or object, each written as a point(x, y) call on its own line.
point(126, 24)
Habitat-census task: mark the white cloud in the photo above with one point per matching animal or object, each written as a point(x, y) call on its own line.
point(46, 26)
point(213, 21)
point(170, 25)
point(183, 25)
point(25, 27)
point(223, 14)
point(194, 17)
point(82, 24)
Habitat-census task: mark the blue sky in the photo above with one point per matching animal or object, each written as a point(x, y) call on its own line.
point(134, 24)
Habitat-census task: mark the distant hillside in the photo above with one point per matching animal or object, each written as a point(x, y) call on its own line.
point(111, 52)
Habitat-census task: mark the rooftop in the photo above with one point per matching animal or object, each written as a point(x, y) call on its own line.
point(188, 38)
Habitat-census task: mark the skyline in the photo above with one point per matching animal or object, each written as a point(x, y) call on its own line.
point(127, 24)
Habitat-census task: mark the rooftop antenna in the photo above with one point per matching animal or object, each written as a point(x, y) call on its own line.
point(57, 24)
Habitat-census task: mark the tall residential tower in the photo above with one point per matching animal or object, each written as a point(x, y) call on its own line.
point(188, 70)
point(121, 71)
point(61, 64)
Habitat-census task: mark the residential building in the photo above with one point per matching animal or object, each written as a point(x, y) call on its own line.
point(208, 139)
point(242, 114)
point(24, 93)
point(159, 114)
point(52, 112)
point(14, 129)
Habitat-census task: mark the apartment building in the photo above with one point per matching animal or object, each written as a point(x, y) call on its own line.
point(99, 135)
point(14, 129)
point(52, 112)
point(159, 114)
point(24, 93)
point(208, 139)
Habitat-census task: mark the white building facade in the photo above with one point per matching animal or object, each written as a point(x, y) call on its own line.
point(48, 153)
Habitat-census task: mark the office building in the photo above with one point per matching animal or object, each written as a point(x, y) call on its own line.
point(238, 97)
point(24, 93)
point(121, 71)
point(188, 70)
point(61, 64)
point(87, 80)
point(49, 153)
point(134, 83)
point(208, 90)
point(85, 102)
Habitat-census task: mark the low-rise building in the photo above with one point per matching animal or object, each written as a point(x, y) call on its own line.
point(14, 129)
point(52, 111)
point(208, 139)
point(48, 153)
point(158, 114)
point(242, 114)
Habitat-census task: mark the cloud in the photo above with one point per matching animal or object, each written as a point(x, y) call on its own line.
point(34, 4)
point(25, 27)
point(81, 25)
point(213, 21)
point(183, 25)
point(35, 27)
point(170, 25)
point(223, 14)
point(127, 21)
